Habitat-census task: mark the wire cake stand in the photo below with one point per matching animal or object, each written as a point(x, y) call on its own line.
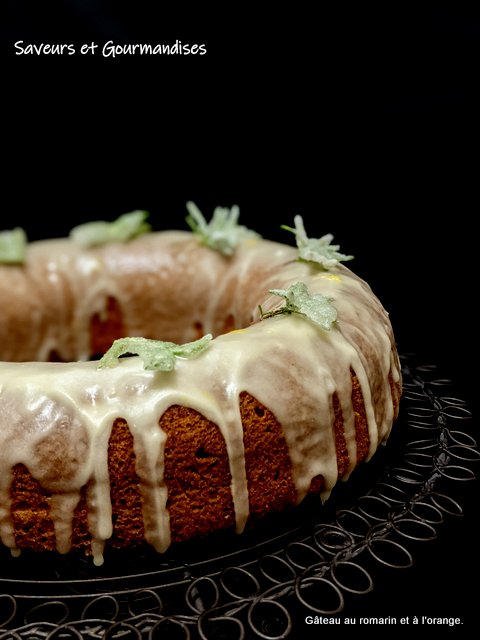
point(319, 561)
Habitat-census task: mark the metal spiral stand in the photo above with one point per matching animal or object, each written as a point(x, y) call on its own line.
point(264, 583)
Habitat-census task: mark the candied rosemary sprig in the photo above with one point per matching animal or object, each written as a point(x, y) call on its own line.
point(317, 308)
point(157, 355)
point(13, 246)
point(222, 233)
point(125, 227)
point(317, 250)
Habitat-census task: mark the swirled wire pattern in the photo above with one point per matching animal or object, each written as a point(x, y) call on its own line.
point(264, 586)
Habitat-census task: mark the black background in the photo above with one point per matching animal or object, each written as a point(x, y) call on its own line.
point(362, 120)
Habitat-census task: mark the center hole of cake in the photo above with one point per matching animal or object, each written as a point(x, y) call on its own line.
point(228, 325)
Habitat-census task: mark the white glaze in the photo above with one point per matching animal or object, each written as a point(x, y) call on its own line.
point(285, 362)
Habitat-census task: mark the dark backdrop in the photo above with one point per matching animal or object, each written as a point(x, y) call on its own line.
point(364, 121)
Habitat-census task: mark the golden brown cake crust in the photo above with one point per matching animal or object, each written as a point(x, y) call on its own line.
point(196, 475)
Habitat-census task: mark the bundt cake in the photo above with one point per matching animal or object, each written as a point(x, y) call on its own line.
point(157, 386)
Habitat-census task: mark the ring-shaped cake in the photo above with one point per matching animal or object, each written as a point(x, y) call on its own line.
point(273, 407)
